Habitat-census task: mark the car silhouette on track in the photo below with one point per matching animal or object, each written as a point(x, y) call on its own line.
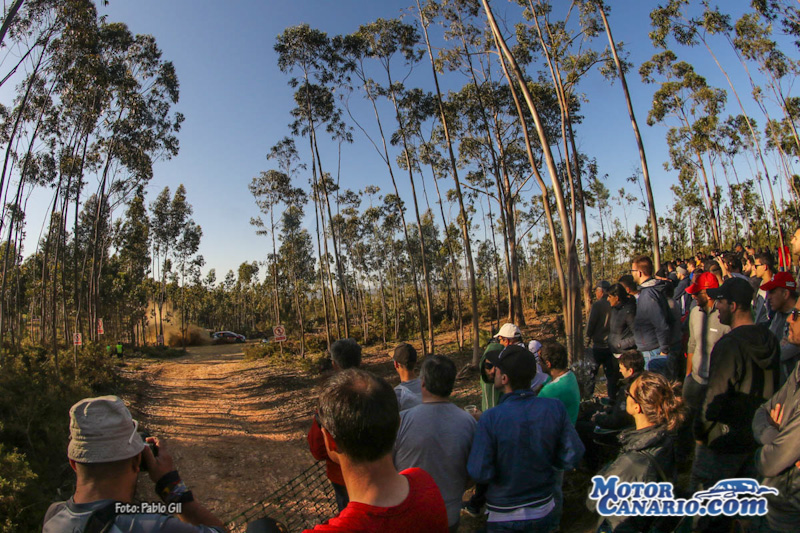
point(732, 488)
point(227, 336)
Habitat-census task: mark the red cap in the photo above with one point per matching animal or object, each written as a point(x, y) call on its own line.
point(781, 280)
point(704, 281)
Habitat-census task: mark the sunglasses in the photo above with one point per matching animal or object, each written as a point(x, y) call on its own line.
point(487, 365)
point(631, 396)
point(793, 314)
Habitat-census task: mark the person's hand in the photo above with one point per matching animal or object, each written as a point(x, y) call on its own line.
point(776, 415)
point(157, 466)
point(594, 417)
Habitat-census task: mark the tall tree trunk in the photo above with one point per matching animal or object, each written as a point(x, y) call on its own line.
point(464, 219)
point(642, 156)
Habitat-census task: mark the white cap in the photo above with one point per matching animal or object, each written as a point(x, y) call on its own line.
point(534, 346)
point(509, 331)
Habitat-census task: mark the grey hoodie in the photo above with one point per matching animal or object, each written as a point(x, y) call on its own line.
point(780, 449)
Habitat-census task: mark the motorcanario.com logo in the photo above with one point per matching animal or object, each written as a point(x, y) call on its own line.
point(730, 497)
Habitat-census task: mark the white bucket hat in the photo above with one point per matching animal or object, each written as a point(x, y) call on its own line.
point(102, 431)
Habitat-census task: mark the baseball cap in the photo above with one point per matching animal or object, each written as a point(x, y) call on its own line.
point(534, 346)
point(509, 331)
point(603, 284)
point(704, 281)
point(516, 362)
point(405, 354)
point(781, 280)
point(735, 290)
point(102, 431)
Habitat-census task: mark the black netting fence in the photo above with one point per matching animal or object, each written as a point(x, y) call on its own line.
point(302, 503)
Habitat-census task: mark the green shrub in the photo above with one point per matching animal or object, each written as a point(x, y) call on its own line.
point(34, 408)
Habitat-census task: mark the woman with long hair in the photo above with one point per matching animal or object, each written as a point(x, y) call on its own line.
point(647, 452)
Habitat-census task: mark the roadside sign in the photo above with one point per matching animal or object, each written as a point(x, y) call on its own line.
point(280, 333)
point(77, 339)
point(100, 326)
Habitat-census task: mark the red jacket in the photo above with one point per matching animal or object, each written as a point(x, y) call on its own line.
point(317, 446)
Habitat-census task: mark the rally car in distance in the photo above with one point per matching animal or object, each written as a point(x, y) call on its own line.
point(227, 336)
point(732, 488)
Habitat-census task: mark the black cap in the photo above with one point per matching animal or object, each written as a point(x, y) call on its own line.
point(735, 290)
point(406, 355)
point(517, 363)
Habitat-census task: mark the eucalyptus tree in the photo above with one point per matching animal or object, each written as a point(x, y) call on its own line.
point(621, 68)
point(464, 219)
point(569, 278)
point(270, 190)
point(482, 104)
point(686, 96)
point(382, 41)
point(567, 60)
point(672, 19)
point(296, 257)
point(310, 52)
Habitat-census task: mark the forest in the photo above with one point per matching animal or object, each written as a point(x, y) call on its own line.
point(487, 210)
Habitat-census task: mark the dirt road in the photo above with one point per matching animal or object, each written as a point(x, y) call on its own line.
point(236, 429)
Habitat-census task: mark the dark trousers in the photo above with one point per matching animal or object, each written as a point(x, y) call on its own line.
point(605, 357)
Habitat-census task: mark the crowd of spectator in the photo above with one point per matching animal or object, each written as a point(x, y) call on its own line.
point(700, 360)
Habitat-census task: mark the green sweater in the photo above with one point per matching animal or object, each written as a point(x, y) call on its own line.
point(565, 388)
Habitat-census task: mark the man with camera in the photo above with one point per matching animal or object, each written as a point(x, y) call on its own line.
point(107, 453)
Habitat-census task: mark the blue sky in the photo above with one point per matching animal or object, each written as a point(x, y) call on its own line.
point(237, 103)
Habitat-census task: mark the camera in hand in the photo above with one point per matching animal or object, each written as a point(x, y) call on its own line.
point(153, 448)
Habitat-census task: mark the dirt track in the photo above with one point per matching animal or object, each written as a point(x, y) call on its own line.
point(236, 429)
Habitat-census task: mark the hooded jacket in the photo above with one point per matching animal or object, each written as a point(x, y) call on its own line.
point(620, 334)
point(641, 448)
point(743, 374)
point(652, 327)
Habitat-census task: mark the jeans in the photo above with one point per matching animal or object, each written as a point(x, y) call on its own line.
point(541, 525)
point(558, 496)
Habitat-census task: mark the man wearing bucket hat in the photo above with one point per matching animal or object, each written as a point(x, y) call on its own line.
point(107, 453)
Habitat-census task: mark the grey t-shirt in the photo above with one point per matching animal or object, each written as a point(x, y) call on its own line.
point(409, 394)
point(71, 516)
point(437, 437)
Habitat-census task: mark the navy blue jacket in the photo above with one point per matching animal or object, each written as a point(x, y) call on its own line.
point(651, 329)
point(518, 446)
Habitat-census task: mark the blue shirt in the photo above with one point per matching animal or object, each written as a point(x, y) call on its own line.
point(518, 448)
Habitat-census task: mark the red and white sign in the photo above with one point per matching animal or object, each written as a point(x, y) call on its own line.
point(77, 339)
point(280, 333)
point(100, 330)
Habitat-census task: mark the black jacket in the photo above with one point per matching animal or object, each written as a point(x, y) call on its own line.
point(617, 417)
point(641, 450)
point(743, 374)
point(620, 332)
